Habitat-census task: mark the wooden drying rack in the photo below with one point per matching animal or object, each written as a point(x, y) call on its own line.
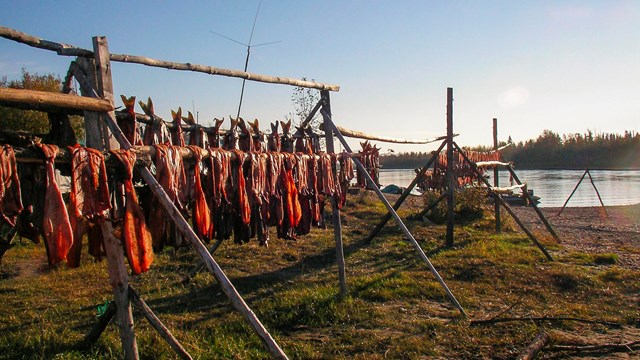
point(92, 70)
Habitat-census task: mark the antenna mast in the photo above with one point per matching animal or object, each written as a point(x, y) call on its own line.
point(246, 61)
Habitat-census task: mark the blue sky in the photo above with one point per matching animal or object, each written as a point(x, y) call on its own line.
point(567, 66)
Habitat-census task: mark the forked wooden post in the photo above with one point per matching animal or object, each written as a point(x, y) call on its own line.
point(118, 275)
point(331, 125)
point(496, 181)
point(450, 175)
point(335, 212)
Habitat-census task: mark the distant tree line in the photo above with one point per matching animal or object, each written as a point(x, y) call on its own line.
point(552, 151)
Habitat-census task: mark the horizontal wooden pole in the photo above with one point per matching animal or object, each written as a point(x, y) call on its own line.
point(211, 70)
point(69, 50)
point(143, 153)
point(361, 135)
point(491, 163)
point(42, 107)
point(52, 99)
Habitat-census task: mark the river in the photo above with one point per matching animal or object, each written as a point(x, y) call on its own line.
point(616, 187)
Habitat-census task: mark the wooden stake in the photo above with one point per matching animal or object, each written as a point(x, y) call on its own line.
point(405, 194)
point(496, 181)
point(118, 275)
point(119, 280)
point(403, 227)
point(450, 174)
point(574, 190)
point(335, 212)
point(597, 193)
point(158, 325)
point(105, 87)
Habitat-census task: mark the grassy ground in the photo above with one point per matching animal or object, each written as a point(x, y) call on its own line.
point(394, 309)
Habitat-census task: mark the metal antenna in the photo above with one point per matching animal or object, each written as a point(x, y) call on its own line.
point(249, 46)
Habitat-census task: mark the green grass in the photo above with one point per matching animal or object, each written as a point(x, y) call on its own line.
point(394, 309)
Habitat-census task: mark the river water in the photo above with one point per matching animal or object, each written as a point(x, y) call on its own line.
point(616, 187)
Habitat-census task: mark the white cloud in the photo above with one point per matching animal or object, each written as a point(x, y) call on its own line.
point(513, 97)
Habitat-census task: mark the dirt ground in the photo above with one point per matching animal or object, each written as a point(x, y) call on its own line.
point(590, 230)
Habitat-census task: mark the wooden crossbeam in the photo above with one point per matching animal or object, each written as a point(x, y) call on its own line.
point(36, 100)
point(69, 50)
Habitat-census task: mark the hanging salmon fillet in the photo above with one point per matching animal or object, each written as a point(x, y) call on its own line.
point(89, 189)
point(136, 238)
point(239, 186)
point(89, 197)
point(203, 225)
point(56, 229)
point(294, 211)
point(10, 196)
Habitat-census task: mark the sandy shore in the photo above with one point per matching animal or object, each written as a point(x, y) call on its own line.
point(588, 229)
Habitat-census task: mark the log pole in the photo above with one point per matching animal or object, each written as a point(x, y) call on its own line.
point(196, 269)
point(536, 345)
point(450, 175)
point(403, 227)
point(496, 181)
point(404, 194)
point(574, 190)
point(310, 116)
point(119, 280)
point(335, 212)
point(597, 193)
point(45, 99)
point(158, 325)
point(118, 275)
point(69, 50)
point(505, 205)
point(105, 87)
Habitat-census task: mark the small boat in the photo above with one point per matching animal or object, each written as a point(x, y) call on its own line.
point(518, 199)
